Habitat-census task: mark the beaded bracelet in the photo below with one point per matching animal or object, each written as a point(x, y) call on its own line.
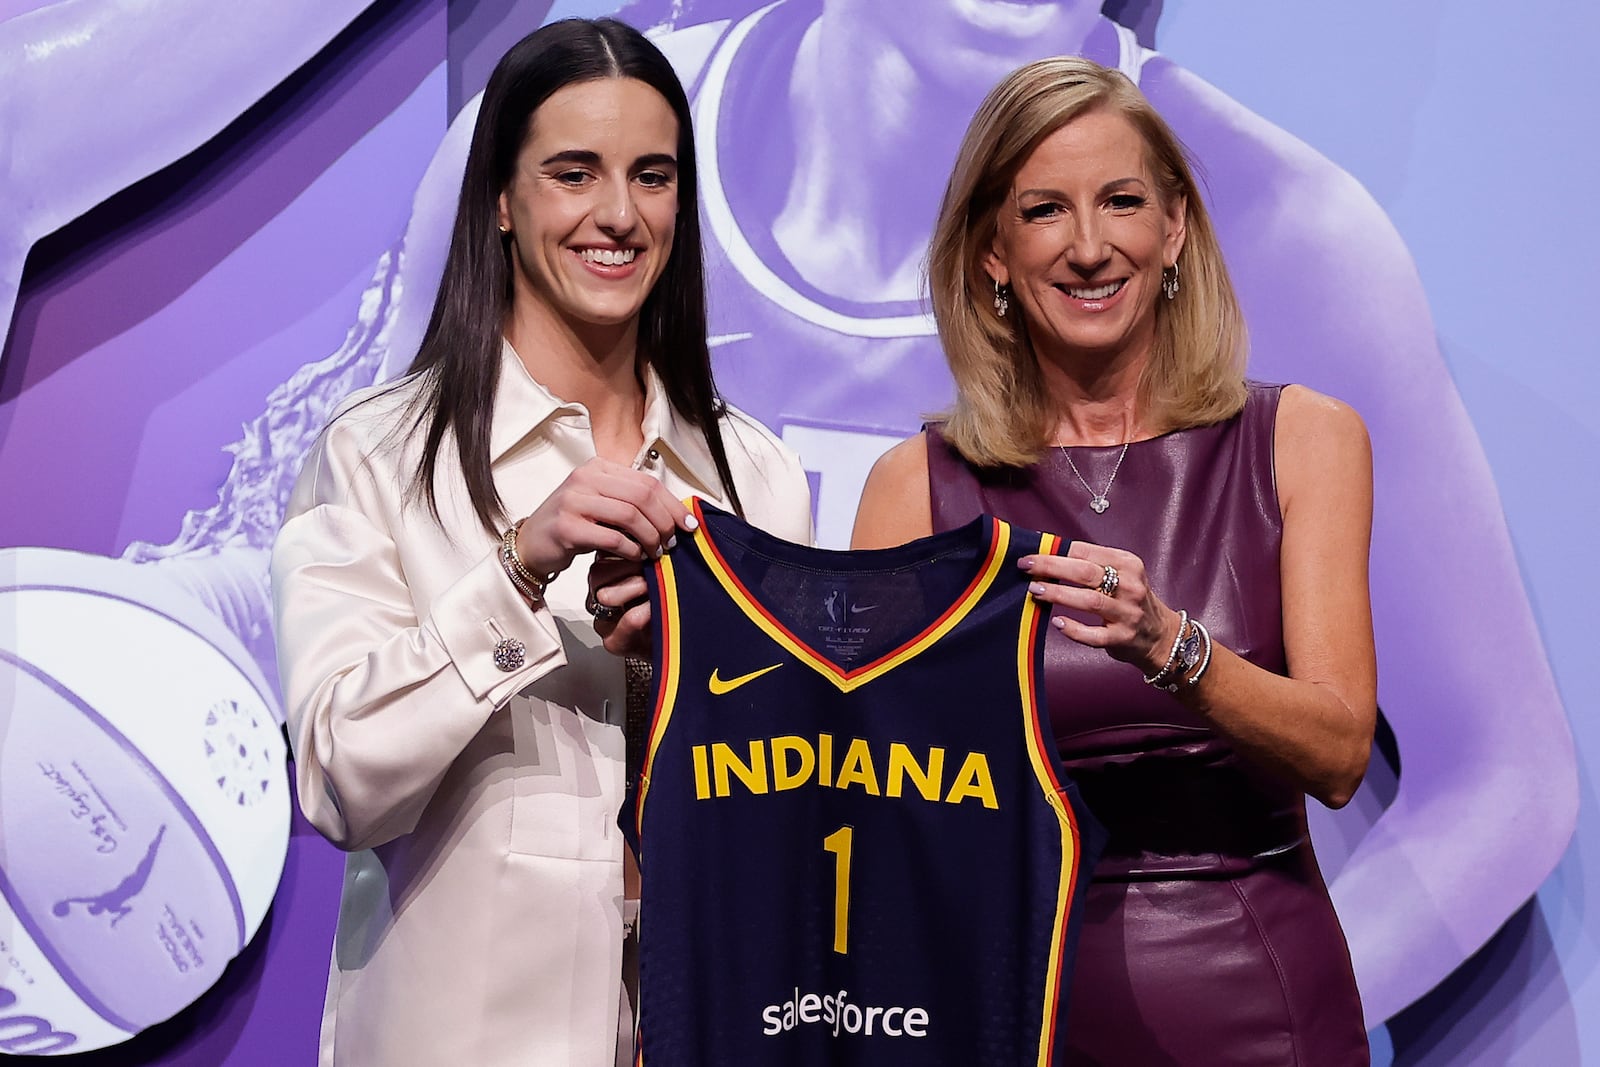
point(530, 585)
point(1159, 679)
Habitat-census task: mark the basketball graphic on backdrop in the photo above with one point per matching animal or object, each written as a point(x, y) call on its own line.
point(144, 803)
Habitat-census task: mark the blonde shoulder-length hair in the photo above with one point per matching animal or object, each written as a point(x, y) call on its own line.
point(1002, 416)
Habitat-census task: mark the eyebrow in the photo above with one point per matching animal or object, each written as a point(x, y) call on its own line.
point(1108, 187)
point(587, 158)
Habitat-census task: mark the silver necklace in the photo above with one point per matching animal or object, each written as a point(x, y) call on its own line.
point(1101, 500)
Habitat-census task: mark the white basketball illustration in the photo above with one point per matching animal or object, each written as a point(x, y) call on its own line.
point(144, 802)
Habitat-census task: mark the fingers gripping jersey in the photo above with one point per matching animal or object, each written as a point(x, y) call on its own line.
point(857, 844)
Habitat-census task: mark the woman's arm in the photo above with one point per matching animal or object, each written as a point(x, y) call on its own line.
point(1488, 776)
point(380, 702)
point(896, 505)
point(1315, 726)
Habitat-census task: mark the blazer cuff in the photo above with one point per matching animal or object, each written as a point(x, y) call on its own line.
point(498, 644)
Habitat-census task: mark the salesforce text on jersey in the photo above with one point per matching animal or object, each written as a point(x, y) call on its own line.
point(833, 1010)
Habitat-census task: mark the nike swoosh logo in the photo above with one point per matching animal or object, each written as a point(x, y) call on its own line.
point(720, 686)
point(856, 608)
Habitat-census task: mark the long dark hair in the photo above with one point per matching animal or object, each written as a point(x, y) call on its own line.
point(460, 354)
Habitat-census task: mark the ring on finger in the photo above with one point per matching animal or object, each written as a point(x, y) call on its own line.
point(600, 612)
point(1109, 582)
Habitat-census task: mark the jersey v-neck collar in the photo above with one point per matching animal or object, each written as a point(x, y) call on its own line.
point(997, 534)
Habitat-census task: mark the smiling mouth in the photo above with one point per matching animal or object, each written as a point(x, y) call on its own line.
point(1098, 292)
point(609, 257)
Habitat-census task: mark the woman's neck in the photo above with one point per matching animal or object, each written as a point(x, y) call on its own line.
point(1094, 403)
point(595, 366)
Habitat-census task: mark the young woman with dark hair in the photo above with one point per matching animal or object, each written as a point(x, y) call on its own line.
point(454, 709)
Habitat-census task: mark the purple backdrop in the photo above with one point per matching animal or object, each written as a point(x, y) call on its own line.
point(260, 253)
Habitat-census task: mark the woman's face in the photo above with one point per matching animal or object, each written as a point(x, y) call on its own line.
point(1083, 237)
point(593, 203)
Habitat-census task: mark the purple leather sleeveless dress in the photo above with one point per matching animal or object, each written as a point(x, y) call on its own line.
point(1208, 935)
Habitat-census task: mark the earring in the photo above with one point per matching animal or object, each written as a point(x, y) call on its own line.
point(504, 230)
point(1169, 282)
point(1002, 302)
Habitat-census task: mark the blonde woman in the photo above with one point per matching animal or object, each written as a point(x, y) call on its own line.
point(1214, 662)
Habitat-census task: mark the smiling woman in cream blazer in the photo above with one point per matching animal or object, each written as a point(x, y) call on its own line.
point(453, 681)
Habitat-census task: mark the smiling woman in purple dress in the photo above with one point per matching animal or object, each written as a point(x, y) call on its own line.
point(1220, 536)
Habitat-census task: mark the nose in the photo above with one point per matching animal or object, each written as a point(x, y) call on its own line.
point(614, 212)
point(1087, 249)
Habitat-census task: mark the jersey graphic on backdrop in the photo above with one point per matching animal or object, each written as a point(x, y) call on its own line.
point(871, 855)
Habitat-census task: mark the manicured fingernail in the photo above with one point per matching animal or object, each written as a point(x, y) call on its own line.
point(672, 542)
point(1059, 623)
point(1026, 563)
point(691, 523)
point(1036, 588)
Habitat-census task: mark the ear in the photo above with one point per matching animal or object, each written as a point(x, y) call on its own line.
point(994, 263)
point(1177, 229)
point(503, 210)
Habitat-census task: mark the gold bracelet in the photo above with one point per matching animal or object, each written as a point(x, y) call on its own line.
point(530, 585)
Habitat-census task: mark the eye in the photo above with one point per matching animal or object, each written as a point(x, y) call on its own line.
point(654, 179)
point(1126, 202)
point(1041, 211)
point(574, 177)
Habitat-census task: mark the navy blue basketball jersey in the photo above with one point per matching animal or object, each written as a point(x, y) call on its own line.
point(856, 840)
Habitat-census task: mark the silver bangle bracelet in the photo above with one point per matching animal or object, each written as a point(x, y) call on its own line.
point(1205, 657)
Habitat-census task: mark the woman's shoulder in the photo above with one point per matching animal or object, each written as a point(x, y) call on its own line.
point(1288, 410)
point(365, 433)
point(372, 412)
point(1300, 406)
point(896, 503)
point(908, 459)
point(1318, 439)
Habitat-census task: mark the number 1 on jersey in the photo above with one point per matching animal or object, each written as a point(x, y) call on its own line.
point(838, 843)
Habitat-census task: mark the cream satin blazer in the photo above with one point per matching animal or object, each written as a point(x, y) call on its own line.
point(481, 918)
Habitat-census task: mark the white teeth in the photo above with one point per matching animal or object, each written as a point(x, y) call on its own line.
point(609, 257)
point(1097, 293)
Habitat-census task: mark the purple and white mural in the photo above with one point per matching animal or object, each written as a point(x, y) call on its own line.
point(217, 220)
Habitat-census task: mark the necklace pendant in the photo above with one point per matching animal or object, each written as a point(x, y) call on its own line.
point(1098, 502)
